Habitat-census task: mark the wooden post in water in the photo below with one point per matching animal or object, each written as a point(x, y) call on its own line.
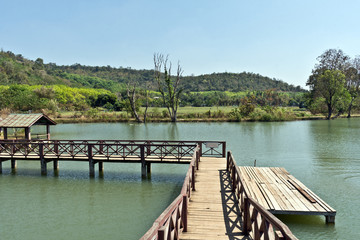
point(56, 165)
point(0, 167)
point(42, 159)
point(330, 219)
point(148, 169)
point(101, 169)
point(13, 165)
point(91, 161)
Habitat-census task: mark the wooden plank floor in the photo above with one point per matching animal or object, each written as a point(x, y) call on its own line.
point(212, 207)
point(281, 193)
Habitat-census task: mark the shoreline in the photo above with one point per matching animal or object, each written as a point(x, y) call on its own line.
point(199, 120)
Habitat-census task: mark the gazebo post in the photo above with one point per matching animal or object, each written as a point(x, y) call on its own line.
point(5, 133)
point(48, 131)
point(27, 133)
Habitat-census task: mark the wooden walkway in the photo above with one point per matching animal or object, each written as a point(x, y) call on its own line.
point(281, 193)
point(212, 211)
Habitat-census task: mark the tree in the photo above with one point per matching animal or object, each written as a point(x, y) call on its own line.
point(134, 102)
point(328, 82)
point(353, 82)
point(169, 89)
point(331, 87)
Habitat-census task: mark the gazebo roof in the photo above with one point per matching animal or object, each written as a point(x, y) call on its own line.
point(25, 120)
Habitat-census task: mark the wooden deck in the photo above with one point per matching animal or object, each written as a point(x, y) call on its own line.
point(212, 210)
point(281, 193)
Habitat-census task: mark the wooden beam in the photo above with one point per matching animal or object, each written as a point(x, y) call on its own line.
point(48, 132)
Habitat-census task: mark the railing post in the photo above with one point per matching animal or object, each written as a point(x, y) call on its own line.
point(228, 161)
point(42, 159)
point(197, 160)
point(193, 177)
point(161, 234)
point(13, 161)
point(246, 216)
point(200, 148)
point(143, 163)
point(91, 161)
point(184, 213)
point(148, 149)
point(224, 149)
point(101, 147)
point(233, 178)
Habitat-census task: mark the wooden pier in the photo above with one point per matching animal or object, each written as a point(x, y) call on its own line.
point(218, 200)
point(212, 208)
point(281, 193)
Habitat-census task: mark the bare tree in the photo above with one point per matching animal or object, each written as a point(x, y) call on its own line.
point(168, 86)
point(133, 100)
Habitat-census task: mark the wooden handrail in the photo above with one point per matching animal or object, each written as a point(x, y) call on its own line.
point(210, 151)
point(108, 150)
point(258, 222)
point(173, 220)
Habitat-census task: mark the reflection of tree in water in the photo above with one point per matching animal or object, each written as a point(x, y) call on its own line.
point(173, 131)
point(135, 131)
point(335, 146)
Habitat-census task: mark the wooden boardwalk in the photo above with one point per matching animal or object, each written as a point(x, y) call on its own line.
point(212, 211)
point(281, 193)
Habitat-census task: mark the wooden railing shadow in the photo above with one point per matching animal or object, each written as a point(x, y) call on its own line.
point(231, 209)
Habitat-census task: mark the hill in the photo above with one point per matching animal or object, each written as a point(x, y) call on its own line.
point(15, 69)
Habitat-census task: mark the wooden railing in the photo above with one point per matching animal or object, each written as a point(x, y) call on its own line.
point(173, 220)
point(110, 149)
point(257, 221)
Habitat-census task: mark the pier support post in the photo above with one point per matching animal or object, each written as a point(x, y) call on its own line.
point(101, 166)
point(91, 161)
point(0, 167)
point(330, 219)
point(13, 165)
point(43, 167)
point(148, 169)
point(56, 167)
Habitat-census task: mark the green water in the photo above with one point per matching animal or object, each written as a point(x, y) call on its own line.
point(324, 155)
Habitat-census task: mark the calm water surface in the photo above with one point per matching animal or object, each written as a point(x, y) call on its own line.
point(322, 154)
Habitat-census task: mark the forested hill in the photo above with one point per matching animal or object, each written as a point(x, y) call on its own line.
point(15, 69)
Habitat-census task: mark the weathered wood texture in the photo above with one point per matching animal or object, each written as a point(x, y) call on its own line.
point(173, 220)
point(281, 193)
point(257, 222)
point(212, 210)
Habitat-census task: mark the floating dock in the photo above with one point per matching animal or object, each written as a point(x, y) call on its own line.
point(281, 193)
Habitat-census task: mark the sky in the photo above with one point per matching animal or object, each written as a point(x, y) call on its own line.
point(276, 38)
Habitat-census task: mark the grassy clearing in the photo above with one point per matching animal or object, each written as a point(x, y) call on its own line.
point(189, 114)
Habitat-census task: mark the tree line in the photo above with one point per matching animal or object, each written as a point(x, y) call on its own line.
point(334, 84)
point(15, 69)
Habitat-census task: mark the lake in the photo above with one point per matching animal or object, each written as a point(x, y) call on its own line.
point(324, 155)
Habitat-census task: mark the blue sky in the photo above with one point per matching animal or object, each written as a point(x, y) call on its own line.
point(278, 39)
